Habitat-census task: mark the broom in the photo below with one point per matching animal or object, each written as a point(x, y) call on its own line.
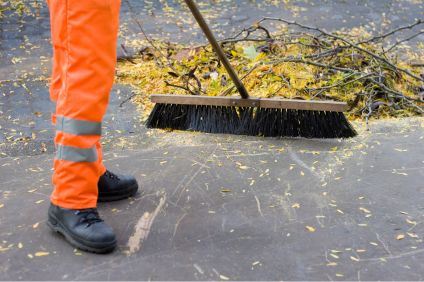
point(247, 115)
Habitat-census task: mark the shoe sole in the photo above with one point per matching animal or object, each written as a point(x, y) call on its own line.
point(56, 227)
point(131, 191)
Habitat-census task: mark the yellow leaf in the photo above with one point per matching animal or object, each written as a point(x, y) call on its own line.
point(243, 167)
point(35, 225)
point(332, 264)
point(302, 173)
point(354, 258)
point(334, 256)
point(364, 210)
point(39, 201)
point(296, 205)
point(20, 246)
point(41, 254)
point(310, 228)
point(223, 277)
point(400, 237)
point(412, 235)
point(411, 222)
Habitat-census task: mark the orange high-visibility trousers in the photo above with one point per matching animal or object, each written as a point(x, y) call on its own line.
point(84, 34)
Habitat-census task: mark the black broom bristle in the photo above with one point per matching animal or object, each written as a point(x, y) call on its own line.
point(251, 121)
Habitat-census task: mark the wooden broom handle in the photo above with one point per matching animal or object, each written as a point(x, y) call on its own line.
point(218, 50)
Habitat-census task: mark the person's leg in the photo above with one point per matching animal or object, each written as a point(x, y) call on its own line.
point(84, 37)
point(88, 32)
point(59, 49)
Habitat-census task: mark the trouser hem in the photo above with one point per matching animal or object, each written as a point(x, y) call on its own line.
point(74, 206)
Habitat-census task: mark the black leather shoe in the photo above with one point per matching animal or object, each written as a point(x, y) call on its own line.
point(114, 187)
point(84, 229)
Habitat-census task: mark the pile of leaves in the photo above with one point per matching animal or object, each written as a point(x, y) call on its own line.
point(19, 8)
point(295, 61)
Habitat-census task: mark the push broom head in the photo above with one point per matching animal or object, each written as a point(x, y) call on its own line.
point(247, 115)
point(251, 116)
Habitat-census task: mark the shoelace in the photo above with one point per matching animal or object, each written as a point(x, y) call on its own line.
point(111, 175)
point(90, 216)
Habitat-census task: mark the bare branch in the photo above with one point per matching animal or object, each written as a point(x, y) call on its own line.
point(403, 41)
point(392, 32)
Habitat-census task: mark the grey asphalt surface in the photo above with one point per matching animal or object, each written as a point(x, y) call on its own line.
point(227, 207)
point(238, 208)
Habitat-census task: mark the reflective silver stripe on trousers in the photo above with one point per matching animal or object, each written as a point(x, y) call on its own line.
point(78, 127)
point(74, 154)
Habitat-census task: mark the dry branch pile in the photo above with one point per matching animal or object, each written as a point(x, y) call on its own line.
point(298, 62)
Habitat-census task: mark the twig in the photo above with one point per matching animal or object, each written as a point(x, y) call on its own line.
point(322, 89)
point(404, 40)
point(390, 33)
point(181, 87)
point(258, 204)
point(248, 32)
point(327, 53)
point(391, 91)
point(229, 89)
point(126, 56)
point(128, 99)
point(300, 60)
point(335, 85)
point(151, 42)
point(353, 45)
